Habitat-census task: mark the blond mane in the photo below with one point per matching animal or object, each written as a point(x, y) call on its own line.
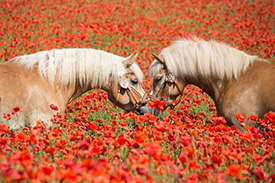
point(195, 57)
point(77, 65)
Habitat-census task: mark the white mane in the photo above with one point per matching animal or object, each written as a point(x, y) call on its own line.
point(195, 57)
point(77, 65)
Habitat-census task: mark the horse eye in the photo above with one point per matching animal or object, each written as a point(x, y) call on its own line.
point(158, 79)
point(134, 81)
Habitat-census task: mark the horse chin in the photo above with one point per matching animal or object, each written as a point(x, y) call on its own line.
point(143, 109)
point(156, 112)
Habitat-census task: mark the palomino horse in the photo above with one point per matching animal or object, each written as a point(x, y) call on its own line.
point(236, 81)
point(34, 82)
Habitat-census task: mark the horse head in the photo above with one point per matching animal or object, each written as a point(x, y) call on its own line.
point(165, 84)
point(127, 92)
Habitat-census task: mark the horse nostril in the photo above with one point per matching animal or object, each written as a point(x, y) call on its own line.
point(142, 109)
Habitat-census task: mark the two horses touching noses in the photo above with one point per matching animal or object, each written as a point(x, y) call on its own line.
point(236, 81)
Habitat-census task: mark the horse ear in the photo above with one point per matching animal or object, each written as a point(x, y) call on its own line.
point(129, 60)
point(159, 58)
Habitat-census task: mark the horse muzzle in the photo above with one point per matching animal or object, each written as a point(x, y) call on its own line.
point(142, 109)
point(156, 112)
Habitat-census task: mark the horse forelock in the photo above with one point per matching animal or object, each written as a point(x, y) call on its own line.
point(137, 71)
point(195, 57)
point(154, 68)
point(77, 65)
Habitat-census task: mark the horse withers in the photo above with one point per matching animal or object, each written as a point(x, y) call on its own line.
point(237, 82)
point(34, 82)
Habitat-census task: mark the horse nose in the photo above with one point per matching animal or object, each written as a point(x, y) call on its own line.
point(143, 109)
point(156, 112)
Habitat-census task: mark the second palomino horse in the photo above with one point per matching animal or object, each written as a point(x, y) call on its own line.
point(236, 81)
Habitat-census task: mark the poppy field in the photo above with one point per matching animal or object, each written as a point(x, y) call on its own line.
point(98, 142)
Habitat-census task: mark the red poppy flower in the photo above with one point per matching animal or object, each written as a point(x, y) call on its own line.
point(3, 141)
point(131, 115)
point(121, 139)
point(151, 104)
point(217, 160)
point(240, 117)
point(92, 126)
point(188, 120)
point(189, 152)
point(4, 129)
point(139, 138)
point(270, 116)
point(54, 107)
point(253, 118)
point(182, 157)
point(141, 119)
point(142, 162)
point(151, 116)
point(6, 116)
point(160, 127)
point(158, 104)
point(193, 165)
point(70, 176)
point(21, 136)
point(84, 145)
point(16, 109)
point(26, 158)
point(234, 170)
point(152, 148)
point(258, 174)
point(46, 170)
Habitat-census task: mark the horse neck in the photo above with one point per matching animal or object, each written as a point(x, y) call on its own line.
point(214, 87)
point(75, 89)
